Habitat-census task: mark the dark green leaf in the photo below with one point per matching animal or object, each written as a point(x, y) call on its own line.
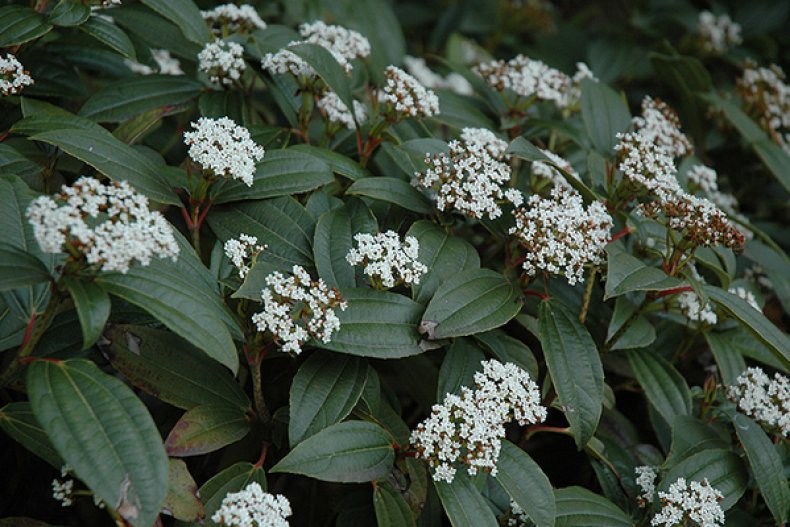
point(460, 363)
point(377, 324)
point(724, 346)
point(626, 273)
point(185, 14)
point(127, 98)
point(464, 504)
point(19, 423)
point(766, 466)
point(68, 13)
point(20, 24)
point(526, 484)
point(691, 435)
point(93, 307)
point(339, 163)
point(207, 428)
point(13, 162)
point(333, 240)
point(604, 113)
point(509, 349)
point(232, 479)
point(392, 190)
point(349, 452)
point(182, 500)
point(103, 431)
point(470, 302)
point(20, 269)
point(664, 386)
point(639, 334)
point(723, 469)
point(110, 35)
point(575, 368)
point(578, 507)
point(443, 254)
point(327, 67)
point(324, 391)
point(391, 509)
point(687, 77)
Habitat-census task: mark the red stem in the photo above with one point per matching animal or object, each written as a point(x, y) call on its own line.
point(28, 331)
point(203, 214)
point(673, 291)
point(262, 458)
point(185, 214)
point(532, 292)
point(620, 234)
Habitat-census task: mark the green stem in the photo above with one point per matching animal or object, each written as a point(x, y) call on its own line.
point(257, 388)
point(195, 229)
point(588, 294)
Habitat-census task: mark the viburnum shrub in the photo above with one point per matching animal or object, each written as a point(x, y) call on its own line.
point(414, 263)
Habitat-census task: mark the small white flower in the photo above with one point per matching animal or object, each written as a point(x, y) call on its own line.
point(469, 428)
point(252, 507)
point(518, 516)
point(660, 125)
point(766, 97)
point(222, 61)
point(764, 399)
point(242, 252)
point(296, 308)
point(747, 295)
point(63, 491)
point(242, 18)
point(13, 76)
point(403, 96)
point(561, 236)
point(224, 148)
point(696, 501)
point(386, 259)
point(472, 179)
point(430, 79)
point(705, 178)
point(546, 171)
point(646, 165)
point(718, 33)
point(646, 479)
point(690, 306)
point(337, 112)
point(167, 64)
point(109, 226)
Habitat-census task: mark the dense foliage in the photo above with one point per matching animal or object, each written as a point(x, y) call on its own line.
point(361, 262)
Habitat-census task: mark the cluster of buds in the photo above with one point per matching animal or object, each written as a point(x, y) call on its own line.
point(403, 96)
point(560, 235)
point(107, 226)
point(646, 476)
point(693, 503)
point(233, 19)
point(223, 149)
point(252, 507)
point(717, 33)
point(546, 171)
point(337, 112)
point(472, 178)
point(222, 61)
point(468, 428)
point(691, 306)
point(646, 166)
point(660, 125)
point(296, 308)
point(766, 97)
point(243, 252)
point(765, 399)
point(387, 260)
point(13, 76)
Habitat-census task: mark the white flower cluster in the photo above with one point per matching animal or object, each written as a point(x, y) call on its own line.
point(560, 235)
point(647, 165)
point(646, 479)
point(696, 502)
point(337, 111)
point(242, 252)
point(13, 76)
point(344, 44)
point(472, 178)
point(296, 308)
point(63, 491)
point(405, 97)
point(469, 428)
point(690, 306)
point(764, 399)
point(756, 274)
point(222, 61)
point(243, 18)
point(252, 507)
point(387, 259)
point(223, 148)
point(430, 79)
point(109, 226)
point(518, 516)
point(718, 33)
point(747, 295)
point(546, 171)
point(528, 77)
point(767, 99)
point(660, 125)
point(167, 64)
point(704, 178)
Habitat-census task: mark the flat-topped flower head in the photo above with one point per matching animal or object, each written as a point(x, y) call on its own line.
point(660, 124)
point(222, 61)
point(252, 507)
point(646, 166)
point(560, 235)
point(766, 97)
point(386, 259)
point(297, 308)
point(418, 68)
point(765, 399)
point(403, 96)
point(236, 19)
point(547, 171)
point(13, 76)
point(223, 149)
point(167, 64)
point(337, 112)
point(344, 44)
point(691, 306)
point(717, 33)
point(472, 178)
point(107, 226)
point(242, 252)
point(468, 429)
point(695, 504)
point(646, 479)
